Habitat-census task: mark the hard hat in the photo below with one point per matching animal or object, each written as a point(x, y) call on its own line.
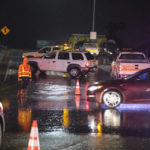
point(25, 60)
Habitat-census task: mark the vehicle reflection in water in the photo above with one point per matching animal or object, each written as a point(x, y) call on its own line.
point(110, 121)
point(53, 89)
point(79, 117)
point(112, 118)
point(136, 121)
point(65, 111)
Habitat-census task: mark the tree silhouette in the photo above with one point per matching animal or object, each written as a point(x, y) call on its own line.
point(113, 29)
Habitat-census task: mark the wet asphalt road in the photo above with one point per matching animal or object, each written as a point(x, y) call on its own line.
point(69, 122)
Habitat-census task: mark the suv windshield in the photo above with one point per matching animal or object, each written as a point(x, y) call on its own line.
point(89, 56)
point(93, 45)
point(44, 50)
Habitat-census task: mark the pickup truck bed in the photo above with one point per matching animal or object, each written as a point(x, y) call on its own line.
point(128, 63)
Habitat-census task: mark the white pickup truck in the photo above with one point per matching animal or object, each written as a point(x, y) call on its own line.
point(128, 63)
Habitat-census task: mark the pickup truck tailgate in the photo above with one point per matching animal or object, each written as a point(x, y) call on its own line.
point(130, 68)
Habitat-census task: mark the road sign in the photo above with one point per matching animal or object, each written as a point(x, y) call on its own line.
point(93, 35)
point(5, 30)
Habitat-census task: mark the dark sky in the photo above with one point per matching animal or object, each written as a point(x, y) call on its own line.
point(56, 20)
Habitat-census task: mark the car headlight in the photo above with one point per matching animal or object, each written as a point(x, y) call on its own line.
point(94, 87)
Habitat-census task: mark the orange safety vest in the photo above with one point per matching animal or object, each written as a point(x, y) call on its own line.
point(24, 71)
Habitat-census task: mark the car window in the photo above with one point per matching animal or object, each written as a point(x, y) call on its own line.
point(50, 55)
point(77, 56)
point(41, 51)
point(89, 56)
point(56, 48)
point(63, 55)
point(44, 50)
point(144, 76)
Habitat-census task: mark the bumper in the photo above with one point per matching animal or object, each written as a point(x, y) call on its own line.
point(91, 69)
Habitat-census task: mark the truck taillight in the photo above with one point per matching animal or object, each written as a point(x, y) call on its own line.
point(119, 67)
point(87, 64)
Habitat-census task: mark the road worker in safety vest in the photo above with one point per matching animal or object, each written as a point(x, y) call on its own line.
point(24, 73)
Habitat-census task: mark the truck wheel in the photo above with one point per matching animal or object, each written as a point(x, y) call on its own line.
point(74, 72)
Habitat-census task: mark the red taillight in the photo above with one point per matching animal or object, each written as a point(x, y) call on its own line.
point(119, 67)
point(87, 64)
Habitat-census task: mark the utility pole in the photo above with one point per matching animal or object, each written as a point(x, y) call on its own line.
point(93, 34)
point(93, 24)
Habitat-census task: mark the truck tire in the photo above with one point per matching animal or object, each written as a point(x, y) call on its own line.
point(74, 72)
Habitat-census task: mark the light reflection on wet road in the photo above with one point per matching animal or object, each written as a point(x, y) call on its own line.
point(69, 122)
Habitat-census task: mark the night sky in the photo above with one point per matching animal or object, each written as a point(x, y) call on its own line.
point(127, 21)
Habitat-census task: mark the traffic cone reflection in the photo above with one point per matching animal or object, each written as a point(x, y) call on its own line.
point(87, 105)
point(77, 91)
point(34, 137)
point(99, 129)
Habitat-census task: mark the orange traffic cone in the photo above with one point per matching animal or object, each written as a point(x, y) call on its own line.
point(33, 143)
point(77, 101)
point(77, 91)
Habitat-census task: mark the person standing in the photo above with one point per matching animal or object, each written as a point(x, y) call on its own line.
point(24, 73)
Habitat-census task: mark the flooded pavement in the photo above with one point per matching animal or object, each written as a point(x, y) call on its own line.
point(69, 122)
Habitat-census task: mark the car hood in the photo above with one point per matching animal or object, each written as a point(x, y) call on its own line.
point(109, 82)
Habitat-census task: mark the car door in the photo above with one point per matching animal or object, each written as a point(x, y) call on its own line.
point(62, 61)
point(131, 90)
point(145, 86)
point(137, 90)
point(48, 62)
